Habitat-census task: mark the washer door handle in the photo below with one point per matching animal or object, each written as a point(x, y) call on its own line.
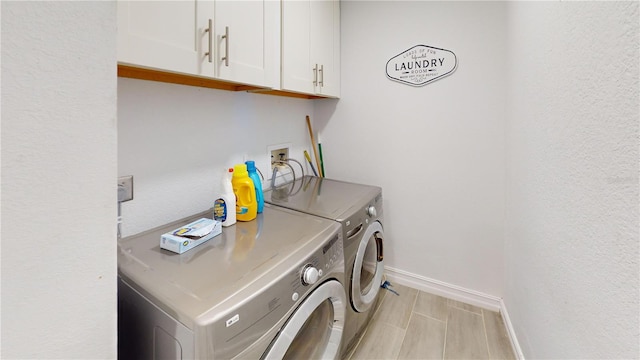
point(380, 255)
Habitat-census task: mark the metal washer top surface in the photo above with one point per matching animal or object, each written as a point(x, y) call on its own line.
point(327, 198)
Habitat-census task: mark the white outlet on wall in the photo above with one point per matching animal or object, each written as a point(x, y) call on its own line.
point(125, 188)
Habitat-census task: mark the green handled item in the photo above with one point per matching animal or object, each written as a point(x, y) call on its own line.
point(321, 161)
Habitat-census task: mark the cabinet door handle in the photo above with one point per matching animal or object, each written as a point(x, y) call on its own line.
point(209, 54)
point(315, 75)
point(226, 46)
point(321, 75)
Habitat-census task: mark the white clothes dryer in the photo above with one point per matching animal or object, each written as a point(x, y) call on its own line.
point(358, 208)
point(271, 288)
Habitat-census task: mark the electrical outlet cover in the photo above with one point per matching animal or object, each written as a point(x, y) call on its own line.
point(126, 184)
point(274, 151)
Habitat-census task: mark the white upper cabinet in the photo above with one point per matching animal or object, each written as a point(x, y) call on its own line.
point(325, 45)
point(297, 73)
point(311, 47)
point(241, 46)
point(165, 35)
point(247, 41)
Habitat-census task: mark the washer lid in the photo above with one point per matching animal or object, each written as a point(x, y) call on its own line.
point(189, 284)
point(331, 199)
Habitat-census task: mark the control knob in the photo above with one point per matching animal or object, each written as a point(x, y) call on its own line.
point(310, 275)
point(371, 211)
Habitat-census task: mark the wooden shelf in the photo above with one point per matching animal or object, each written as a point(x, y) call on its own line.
point(173, 78)
point(132, 72)
point(285, 93)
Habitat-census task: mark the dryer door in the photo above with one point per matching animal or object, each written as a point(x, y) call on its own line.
point(314, 330)
point(367, 268)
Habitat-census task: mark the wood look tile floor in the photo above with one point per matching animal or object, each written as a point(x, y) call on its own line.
point(419, 325)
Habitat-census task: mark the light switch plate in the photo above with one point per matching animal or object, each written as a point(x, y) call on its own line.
point(125, 188)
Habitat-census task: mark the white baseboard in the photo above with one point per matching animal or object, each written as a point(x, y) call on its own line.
point(454, 292)
point(443, 289)
point(511, 331)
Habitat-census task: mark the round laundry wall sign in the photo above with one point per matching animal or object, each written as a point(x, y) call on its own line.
point(421, 65)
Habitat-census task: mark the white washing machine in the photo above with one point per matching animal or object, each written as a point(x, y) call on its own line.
point(271, 288)
point(358, 208)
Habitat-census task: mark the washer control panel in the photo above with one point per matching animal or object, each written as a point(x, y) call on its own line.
point(371, 211)
point(360, 219)
point(321, 262)
point(310, 275)
point(250, 320)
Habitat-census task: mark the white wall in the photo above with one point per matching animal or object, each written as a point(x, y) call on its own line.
point(58, 180)
point(572, 187)
point(177, 140)
point(437, 150)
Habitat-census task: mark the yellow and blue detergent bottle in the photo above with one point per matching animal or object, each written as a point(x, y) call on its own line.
point(253, 174)
point(246, 202)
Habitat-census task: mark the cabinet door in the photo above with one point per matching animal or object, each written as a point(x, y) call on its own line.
point(165, 35)
point(311, 47)
point(246, 39)
point(297, 70)
point(325, 45)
